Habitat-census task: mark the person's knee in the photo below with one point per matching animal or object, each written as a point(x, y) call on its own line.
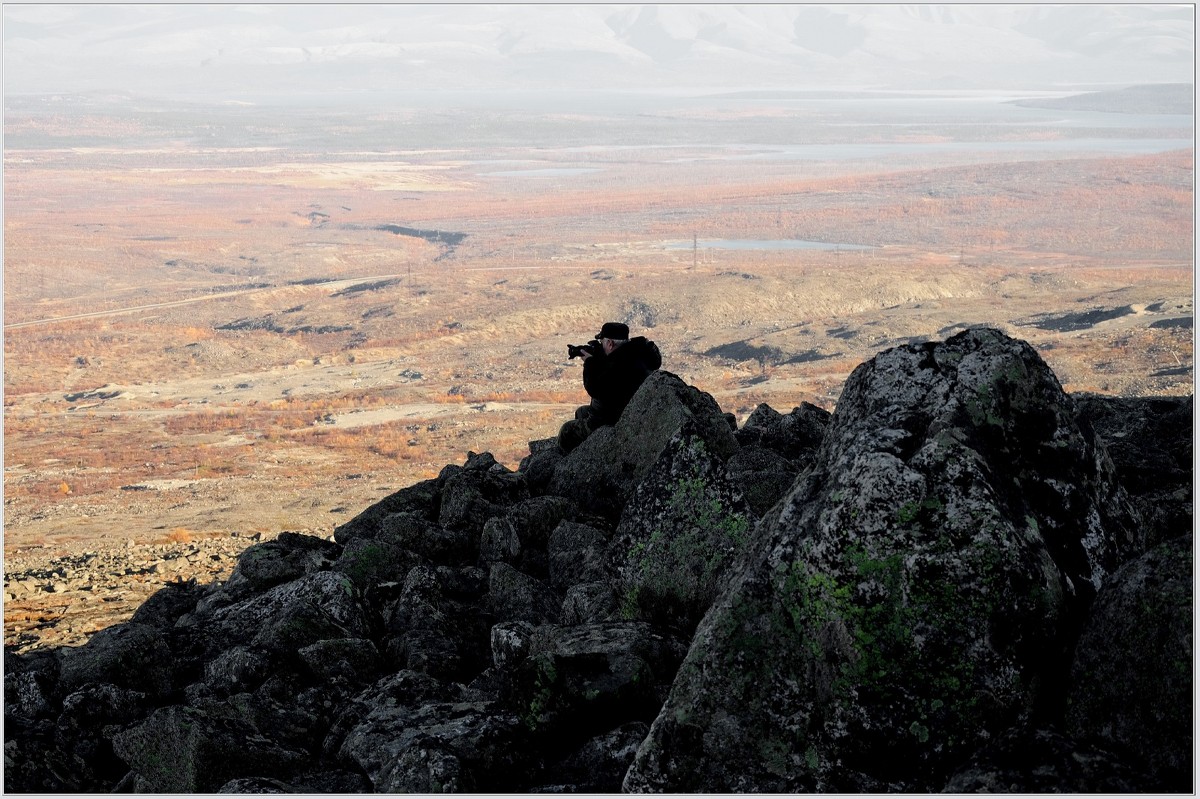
point(571, 435)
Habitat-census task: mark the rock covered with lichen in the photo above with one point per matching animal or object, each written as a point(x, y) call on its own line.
point(916, 594)
point(932, 589)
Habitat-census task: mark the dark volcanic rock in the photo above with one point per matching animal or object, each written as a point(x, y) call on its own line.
point(577, 554)
point(940, 587)
point(914, 596)
point(1150, 442)
point(602, 472)
point(165, 606)
point(517, 596)
point(129, 655)
point(1038, 761)
point(420, 499)
point(1131, 684)
point(683, 527)
point(289, 616)
point(581, 680)
point(285, 558)
point(762, 475)
point(190, 750)
point(795, 436)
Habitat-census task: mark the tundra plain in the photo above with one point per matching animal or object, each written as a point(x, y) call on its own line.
point(222, 321)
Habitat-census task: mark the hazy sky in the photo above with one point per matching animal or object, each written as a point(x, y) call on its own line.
point(232, 50)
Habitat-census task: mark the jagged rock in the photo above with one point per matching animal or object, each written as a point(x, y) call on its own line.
point(420, 500)
point(500, 542)
point(913, 596)
point(403, 748)
point(417, 629)
point(128, 655)
point(602, 472)
point(589, 603)
point(370, 561)
point(762, 475)
point(580, 681)
point(352, 659)
point(1132, 676)
point(407, 689)
point(1150, 442)
point(89, 717)
point(600, 764)
point(28, 694)
point(577, 554)
point(182, 749)
point(428, 539)
point(236, 670)
point(471, 496)
point(684, 525)
point(281, 560)
point(794, 437)
point(539, 465)
point(288, 709)
point(464, 583)
point(510, 642)
point(425, 770)
point(1039, 761)
point(516, 596)
point(534, 520)
point(289, 616)
point(168, 604)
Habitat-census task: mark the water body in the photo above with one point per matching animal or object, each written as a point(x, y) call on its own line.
point(854, 152)
point(556, 172)
point(764, 244)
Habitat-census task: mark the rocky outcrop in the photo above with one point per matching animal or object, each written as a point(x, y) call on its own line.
point(1131, 678)
point(941, 586)
point(916, 594)
point(1150, 442)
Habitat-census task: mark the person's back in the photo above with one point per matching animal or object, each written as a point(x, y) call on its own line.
point(611, 379)
point(613, 371)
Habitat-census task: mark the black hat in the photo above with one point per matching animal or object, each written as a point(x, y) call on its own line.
point(614, 330)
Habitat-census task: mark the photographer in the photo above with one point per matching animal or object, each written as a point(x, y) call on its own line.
point(614, 367)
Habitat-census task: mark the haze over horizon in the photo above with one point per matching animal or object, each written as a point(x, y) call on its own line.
point(254, 52)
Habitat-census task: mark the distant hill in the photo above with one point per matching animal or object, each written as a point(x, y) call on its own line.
point(1160, 98)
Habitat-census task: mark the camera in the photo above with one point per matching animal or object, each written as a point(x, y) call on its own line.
point(578, 350)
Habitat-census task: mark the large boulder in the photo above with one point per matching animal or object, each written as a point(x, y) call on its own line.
point(601, 473)
point(420, 499)
point(476, 492)
point(762, 475)
point(1039, 761)
point(1131, 681)
point(682, 529)
point(129, 655)
point(794, 436)
point(287, 617)
point(437, 747)
point(280, 560)
point(1150, 442)
point(916, 593)
point(583, 680)
point(181, 749)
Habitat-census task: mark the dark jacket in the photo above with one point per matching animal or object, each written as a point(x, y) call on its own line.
point(612, 380)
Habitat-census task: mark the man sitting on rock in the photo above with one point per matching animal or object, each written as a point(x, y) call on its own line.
point(614, 367)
